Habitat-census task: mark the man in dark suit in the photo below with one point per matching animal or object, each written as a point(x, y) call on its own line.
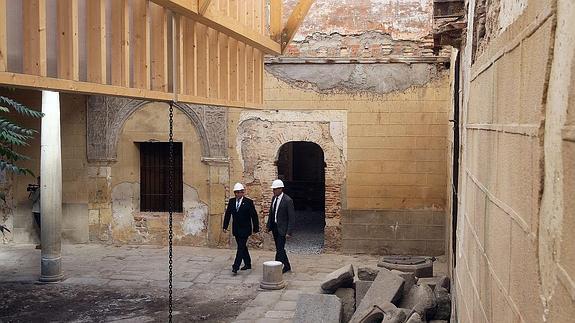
point(245, 221)
point(280, 221)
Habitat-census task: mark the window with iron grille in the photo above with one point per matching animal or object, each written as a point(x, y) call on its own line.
point(154, 171)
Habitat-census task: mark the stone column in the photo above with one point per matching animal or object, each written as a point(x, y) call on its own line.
point(51, 188)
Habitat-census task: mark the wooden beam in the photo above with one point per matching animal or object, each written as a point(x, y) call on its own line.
point(159, 42)
point(120, 43)
point(233, 8)
point(224, 66)
point(3, 37)
point(40, 82)
point(214, 63)
point(96, 41)
point(140, 44)
point(203, 6)
point(179, 56)
point(34, 18)
point(225, 24)
point(234, 84)
point(68, 63)
point(294, 21)
point(242, 75)
point(71, 86)
point(276, 20)
point(258, 76)
point(202, 60)
point(190, 57)
point(250, 74)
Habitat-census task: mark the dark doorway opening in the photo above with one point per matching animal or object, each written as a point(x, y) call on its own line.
point(301, 167)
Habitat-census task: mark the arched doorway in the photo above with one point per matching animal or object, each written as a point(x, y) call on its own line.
point(301, 166)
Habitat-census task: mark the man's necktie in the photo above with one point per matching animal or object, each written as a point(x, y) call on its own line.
point(238, 203)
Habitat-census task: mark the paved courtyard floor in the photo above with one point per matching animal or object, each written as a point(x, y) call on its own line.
point(129, 284)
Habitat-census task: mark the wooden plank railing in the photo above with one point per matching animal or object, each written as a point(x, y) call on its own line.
point(163, 53)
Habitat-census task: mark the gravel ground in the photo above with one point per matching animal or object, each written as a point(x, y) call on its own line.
point(308, 233)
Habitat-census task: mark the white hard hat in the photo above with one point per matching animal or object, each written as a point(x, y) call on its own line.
point(238, 187)
point(277, 183)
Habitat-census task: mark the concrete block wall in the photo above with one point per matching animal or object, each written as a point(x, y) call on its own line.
point(514, 250)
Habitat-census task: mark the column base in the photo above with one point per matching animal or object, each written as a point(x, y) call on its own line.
point(51, 270)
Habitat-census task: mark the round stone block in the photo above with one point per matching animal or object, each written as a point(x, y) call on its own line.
point(272, 275)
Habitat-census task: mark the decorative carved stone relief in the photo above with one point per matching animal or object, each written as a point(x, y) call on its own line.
point(106, 116)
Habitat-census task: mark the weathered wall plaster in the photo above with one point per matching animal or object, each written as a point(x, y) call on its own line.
point(354, 78)
point(260, 136)
point(509, 11)
point(403, 19)
point(200, 196)
point(131, 225)
point(367, 44)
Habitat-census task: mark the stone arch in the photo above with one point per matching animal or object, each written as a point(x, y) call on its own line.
point(107, 115)
point(260, 137)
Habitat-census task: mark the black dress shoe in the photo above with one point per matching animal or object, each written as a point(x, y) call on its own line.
point(234, 271)
point(246, 267)
point(285, 270)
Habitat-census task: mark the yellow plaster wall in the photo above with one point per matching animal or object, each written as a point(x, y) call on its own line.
point(396, 142)
point(151, 123)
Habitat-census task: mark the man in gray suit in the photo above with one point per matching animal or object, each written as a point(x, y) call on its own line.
point(280, 221)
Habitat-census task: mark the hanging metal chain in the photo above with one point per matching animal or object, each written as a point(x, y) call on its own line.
point(171, 206)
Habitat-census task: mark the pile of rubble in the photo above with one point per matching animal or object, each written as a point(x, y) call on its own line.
point(377, 295)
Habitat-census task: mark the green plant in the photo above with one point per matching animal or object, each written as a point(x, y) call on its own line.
point(12, 136)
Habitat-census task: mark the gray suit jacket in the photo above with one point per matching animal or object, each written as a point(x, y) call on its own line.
point(286, 215)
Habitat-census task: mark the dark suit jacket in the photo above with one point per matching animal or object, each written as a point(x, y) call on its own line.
point(243, 219)
point(286, 215)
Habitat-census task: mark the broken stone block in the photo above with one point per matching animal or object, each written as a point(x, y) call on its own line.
point(420, 298)
point(443, 300)
point(361, 288)
point(444, 282)
point(386, 288)
point(429, 281)
point(415, 318)
point(347, 296)
point(409, 279)
point(342, 277)
point(387, 313)
point(317, 308)
point(421, 266)
point(367, 273)
point(393, 315)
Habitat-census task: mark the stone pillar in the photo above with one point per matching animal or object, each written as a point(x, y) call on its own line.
point(219, 173)
point(272, 276)
point(51, 188)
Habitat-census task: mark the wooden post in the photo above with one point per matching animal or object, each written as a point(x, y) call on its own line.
point(96, 44)
point(34, 18)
